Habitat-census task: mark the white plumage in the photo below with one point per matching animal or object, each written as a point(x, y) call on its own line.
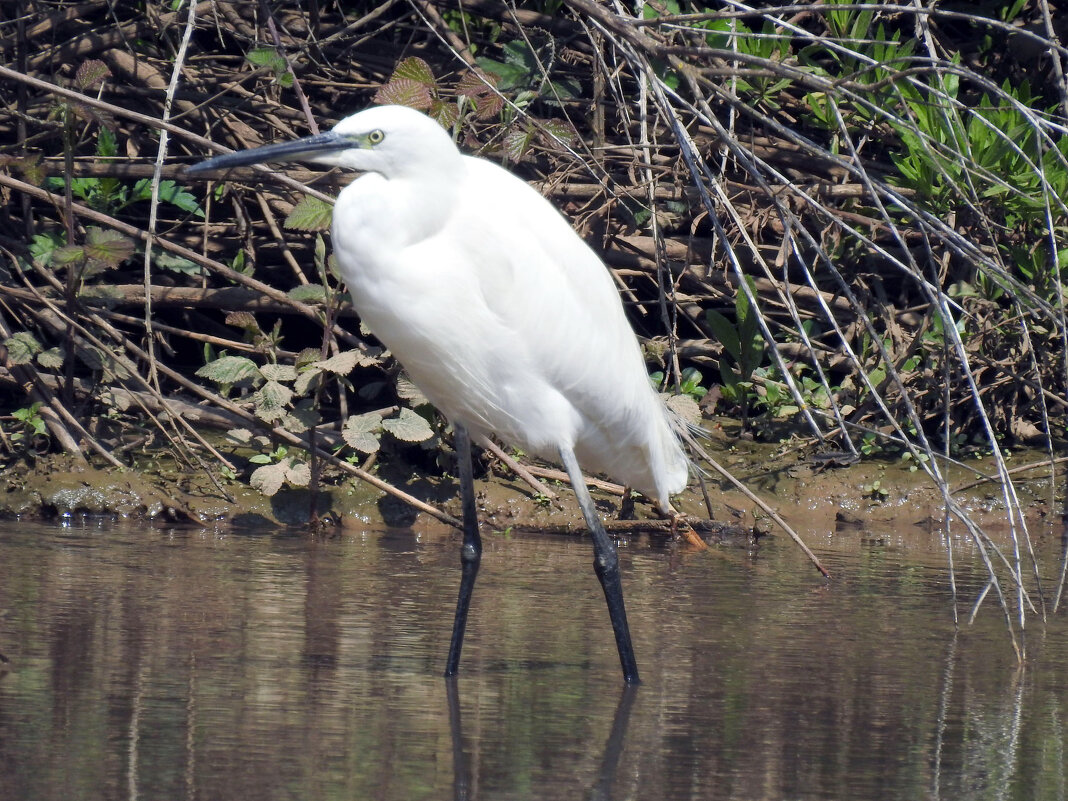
point(497, 309)
point(501, 315)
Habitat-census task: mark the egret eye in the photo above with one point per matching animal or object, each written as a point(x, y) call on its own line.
point(375, 137)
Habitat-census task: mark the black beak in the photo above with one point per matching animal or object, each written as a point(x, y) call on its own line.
point(297, 150)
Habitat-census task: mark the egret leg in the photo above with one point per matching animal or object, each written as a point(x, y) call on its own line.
point(606, 565)
point(470, 551)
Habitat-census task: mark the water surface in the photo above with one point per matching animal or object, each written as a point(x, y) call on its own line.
point(152, 663)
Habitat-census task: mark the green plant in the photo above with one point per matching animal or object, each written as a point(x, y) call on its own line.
point(876, 491)
point(112, 195)
point(286, 396)
point(479, 94)
point(871, 444)
point(689, 382)
point(743, 343)
point(33, 424)
point(525, 71)
point(413, 84)
point(275, 63)
point(914, 462)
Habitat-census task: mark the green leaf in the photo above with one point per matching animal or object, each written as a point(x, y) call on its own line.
point(106, 146)
point(177, 264)
point(29, 415)
point(516, 143)
point(240, 435)
point(518, 53)
point(266, 57)
point(67, 254)
point(726, 372)
point(342, 363)
point(724, 331)
point(405, 92)
point(271, 400)
point(361, 423)
point(359, 432)
point(310, 214)
point(43, 246)
point(408, 391)
point(179, 196)
point(561, 130)
point(320, 256)
point(408, 426)
point(51, 359)
point(685, 407)
point(509, 76)
point(229, 370)
point(106, 247)
point(308, 293)
point(307, 380)
point(279, 372)
point(302, 417)
point(297, 473)
point(22, 347)
point(268, 479)
point(91, 74)
point(238, 263)
point(415, 69)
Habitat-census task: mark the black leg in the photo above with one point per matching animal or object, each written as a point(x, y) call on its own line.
point(613, 749)
point(606, 565)
point(470, 552)
point(461, 777)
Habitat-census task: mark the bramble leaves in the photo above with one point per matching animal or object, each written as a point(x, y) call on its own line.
point(22, 347)
point(308, 293)
point(274, 61)
point(412, 84)
point(408, 391)
point(342, 363)
point(271, 400)
point(359, 432)
point(279, 372)
point(270, 478)
point(685, 407)
point(481, 87)
point(405, 92)
point(169, 192)
point(408, 426)
point(414, 69)
point(229, 370)
point(243, 319)
point(51, 359)
point(310, 214)
point(106, 248)
point(91, 74)
point(517, 142)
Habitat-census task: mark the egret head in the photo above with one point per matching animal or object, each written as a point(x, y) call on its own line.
point(392, 140)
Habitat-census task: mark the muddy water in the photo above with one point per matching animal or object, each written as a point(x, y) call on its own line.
point(147, 663)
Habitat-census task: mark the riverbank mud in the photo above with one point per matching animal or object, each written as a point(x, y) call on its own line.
point(820, 495)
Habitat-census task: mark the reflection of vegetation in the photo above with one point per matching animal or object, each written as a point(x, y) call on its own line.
point(339, 624)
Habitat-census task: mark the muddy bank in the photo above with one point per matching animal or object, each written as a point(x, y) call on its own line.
point(819, 496)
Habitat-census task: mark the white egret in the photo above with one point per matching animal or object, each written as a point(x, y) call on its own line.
point(506, 320)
